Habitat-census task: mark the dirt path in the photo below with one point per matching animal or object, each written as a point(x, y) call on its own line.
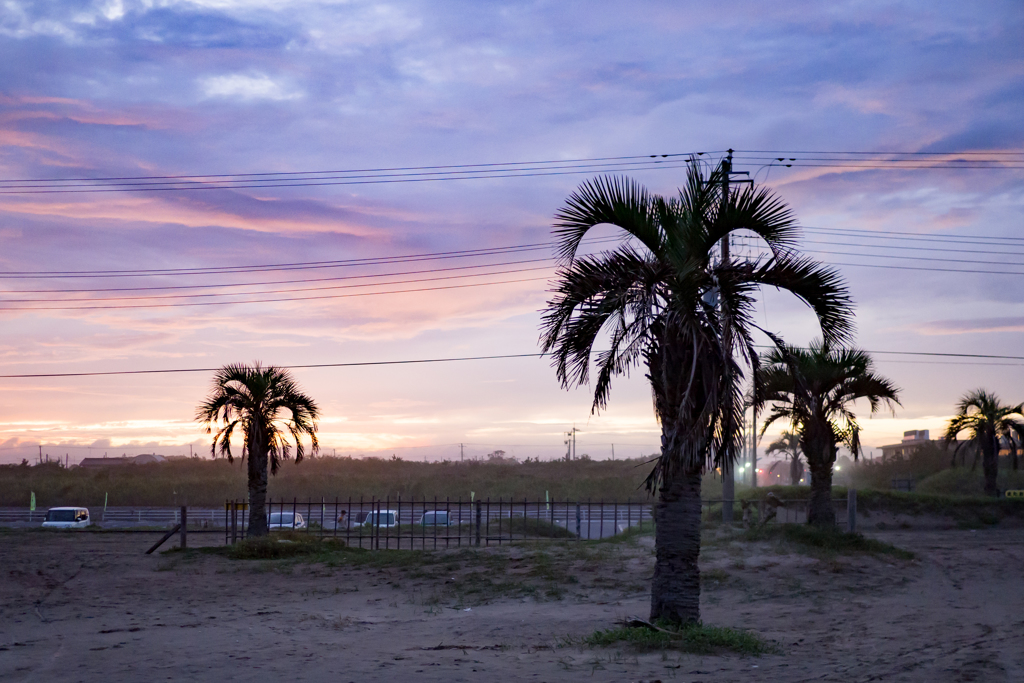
point(92, 607)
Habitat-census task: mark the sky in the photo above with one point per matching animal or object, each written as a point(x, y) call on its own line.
point(133, 89)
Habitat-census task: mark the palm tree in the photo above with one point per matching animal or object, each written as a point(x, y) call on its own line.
point(663, 298)
point(266, 406)
point(814, 390)
point(788, 444)
point(989, 423)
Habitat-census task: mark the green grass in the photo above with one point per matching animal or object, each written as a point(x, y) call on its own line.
point(279, 547)
point(829, 541)
point(533, 528)
point(693, 639)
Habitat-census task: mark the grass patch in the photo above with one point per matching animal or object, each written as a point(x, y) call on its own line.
point(529, 527)
point(278, 547)
point(832, 541)
point(693, 639)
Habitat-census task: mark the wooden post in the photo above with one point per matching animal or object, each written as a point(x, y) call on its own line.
point(184, 527)
point(851, 510)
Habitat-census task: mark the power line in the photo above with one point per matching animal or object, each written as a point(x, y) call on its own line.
point(302, 265)
point(262, 301)
point(404, 174)
point(287, 367)
point(904, 247)
point(150, 297)
point(951, 153)
point(452, 360)
point(374, 180)
point(915, 237)
point(276, 282)
point(365, 170)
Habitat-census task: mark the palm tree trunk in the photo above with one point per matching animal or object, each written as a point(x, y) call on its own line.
point(990, 466)
point(258, 492)
point(819, 510)
point(675, 590)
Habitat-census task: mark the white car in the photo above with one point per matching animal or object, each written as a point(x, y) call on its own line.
point(66, 518)
point(285, 520)
point(382, 518)
point(436, 518)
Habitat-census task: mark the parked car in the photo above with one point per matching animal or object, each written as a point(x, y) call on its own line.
point(66, 518)
point(358, 518)
point(436, 518)
point(285, 520)
point(381, 518)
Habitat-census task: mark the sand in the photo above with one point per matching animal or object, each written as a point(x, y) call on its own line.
point(93, 607)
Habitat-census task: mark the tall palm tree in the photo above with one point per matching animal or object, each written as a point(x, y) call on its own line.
point(788, 444)
point(990, 423)
point(662, 298)
point(267, 407)
point(814, 390)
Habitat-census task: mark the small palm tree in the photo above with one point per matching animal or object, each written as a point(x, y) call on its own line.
point(267, 407)
point(788, 444)
point(814, 390)
point(990, 423)
point(662, 298)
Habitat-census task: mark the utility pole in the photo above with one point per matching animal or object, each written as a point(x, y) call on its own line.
point(462, 454)
point(728, 483)
point(613, 451)
point(753, 449)
point(570, 444)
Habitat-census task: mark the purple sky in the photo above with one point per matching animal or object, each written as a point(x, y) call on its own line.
point(166, 88)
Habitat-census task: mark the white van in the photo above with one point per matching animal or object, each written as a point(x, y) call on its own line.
point(382, 518)
point(66, 518)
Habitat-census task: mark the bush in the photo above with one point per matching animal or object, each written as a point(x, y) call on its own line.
point(827, 540)
point(961, 481)
point(279, 546)
point(695, 639)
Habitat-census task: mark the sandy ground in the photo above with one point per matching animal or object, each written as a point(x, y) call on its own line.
point(93, 607)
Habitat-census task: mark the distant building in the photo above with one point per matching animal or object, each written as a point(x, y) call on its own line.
point(912, 441)
point(144, 459)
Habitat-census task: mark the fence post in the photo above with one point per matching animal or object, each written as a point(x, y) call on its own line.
point(851, 510)
point(479, 514)
point(184, 527)
point(578, 521)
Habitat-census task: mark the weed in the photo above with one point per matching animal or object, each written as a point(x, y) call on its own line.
point(694, 639)
point(829, 541)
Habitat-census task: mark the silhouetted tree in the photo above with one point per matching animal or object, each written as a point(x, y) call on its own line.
point(266, 406)
point(990, 423)
point(663, 298)
point(788, 444)
point(814, 390)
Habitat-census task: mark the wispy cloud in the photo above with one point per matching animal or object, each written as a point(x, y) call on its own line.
point(247, 87)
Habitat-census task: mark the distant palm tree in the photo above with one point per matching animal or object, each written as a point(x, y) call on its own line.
point(266, 406)
point(788, 444)
point(664, 299)
point(990, 423)
point(814, 390)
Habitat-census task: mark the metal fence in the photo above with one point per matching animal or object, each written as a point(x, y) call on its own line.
point(443, 523)
point(439, 522)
